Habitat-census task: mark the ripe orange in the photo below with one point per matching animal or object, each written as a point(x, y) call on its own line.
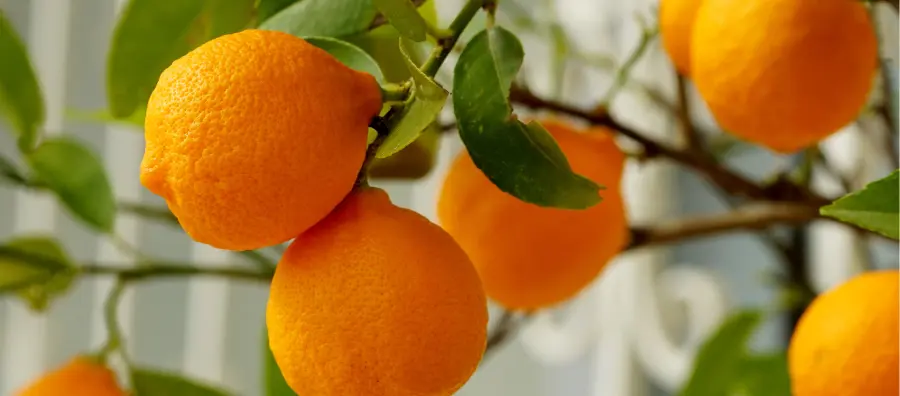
point(376, 300)
point(784, 74)
point(528, 256)
point(846, 344)
point(80, 376)
point(255, 136)
point(676, 22)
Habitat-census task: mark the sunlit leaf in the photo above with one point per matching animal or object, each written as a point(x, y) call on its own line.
point(876, 207)
point(77, 177)
point(522, 160)
point(36, 268)
point(404, 16)
point(349, 54)
point(330, 18)
point(148, 382)
point(718, 364)
point(20, 95)
point(424, 107)
point(764, 375)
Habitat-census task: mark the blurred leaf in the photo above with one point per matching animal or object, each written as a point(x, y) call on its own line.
point(719, 362)
point(77, 177)
point(228, 16)
point(266, 8)
point(426, 104)
point(36, 268)
point(148, 382)
point(764, 375)
point(349, 54)
point(20, 94)
point(414, 161)
point(876, 207)
point(141, 49)
point(105, 117)
point(275, 385)
point(9, 171)
point(404, 16)
point(330, 18)
point(522, 160)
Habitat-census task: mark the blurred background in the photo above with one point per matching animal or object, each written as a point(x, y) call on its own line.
point(633, 333)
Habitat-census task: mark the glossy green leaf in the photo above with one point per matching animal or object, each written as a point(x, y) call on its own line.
point(275, 385)
point(522, 160)
point(36, 268)
point(718, 364)
point(330, 18)
point(349, 54)
point(148, 382)
point(149, 35)
point(876, 207)
point(763, 375)
point(428, 98)
point(404, 16)
point(228, 16)
point(20, 95)
point(265, 9)
point(77, 177)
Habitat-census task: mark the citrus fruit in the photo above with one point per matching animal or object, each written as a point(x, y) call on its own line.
point(529, 256)
point(255, 136)
point(846, 343)
point(784, 74)
point(676, 22)
point(376, 300)
point(81, 376)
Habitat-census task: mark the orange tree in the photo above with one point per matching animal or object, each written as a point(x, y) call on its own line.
point(265, 120)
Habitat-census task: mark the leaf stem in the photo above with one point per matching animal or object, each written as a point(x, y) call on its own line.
point(394, 92)
point(445, 45)
point(624, 72)
point(111, 318)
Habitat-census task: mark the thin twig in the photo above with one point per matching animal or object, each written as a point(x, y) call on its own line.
point(624, 72)
point(172, 270)
point(686, 125)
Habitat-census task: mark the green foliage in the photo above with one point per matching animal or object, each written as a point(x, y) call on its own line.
point(724, 366)
point(331, 18)
point(147, 382)
point(876, 207)
point(522, 160)
point(274, 382)
point(20, 95)
point(349, 54)
point(404, 16)
point(266, 8)
point(420, 111)
point(77, 177)
point(36, 268)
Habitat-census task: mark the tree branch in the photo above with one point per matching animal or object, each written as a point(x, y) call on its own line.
point(173, 270)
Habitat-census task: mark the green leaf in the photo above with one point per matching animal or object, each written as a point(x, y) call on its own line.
point(228, 16)
point(36, 268)
point(764, 375)
point(77, 177)
point(349, 54)
point(719, 361)
point(148, 382)
point(266, 8)
point(20, 94)
point(424, 107)
point(275, 385)
point(521, 160)
point(404, 16)
point(330, 18)
point(10, 171)
point(149, 35)
point(874, 208)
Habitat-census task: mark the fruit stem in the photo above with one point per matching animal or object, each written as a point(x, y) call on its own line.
point(111, 318)
point(394, 92)
point(446, 44)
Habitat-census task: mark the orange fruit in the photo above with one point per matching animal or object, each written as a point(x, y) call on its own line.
point(253, 137)
point(846, 343)
point(81, 376)
point(784, 74)
point(528, 256)
point(676, 22)
point(376, 300)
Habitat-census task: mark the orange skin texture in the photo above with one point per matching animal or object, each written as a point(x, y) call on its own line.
point(78, 377)
point(784, 74)
point(846, 343)
point(376, 300)
point(676, 23)
point(255, 136)
point(532, 257)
